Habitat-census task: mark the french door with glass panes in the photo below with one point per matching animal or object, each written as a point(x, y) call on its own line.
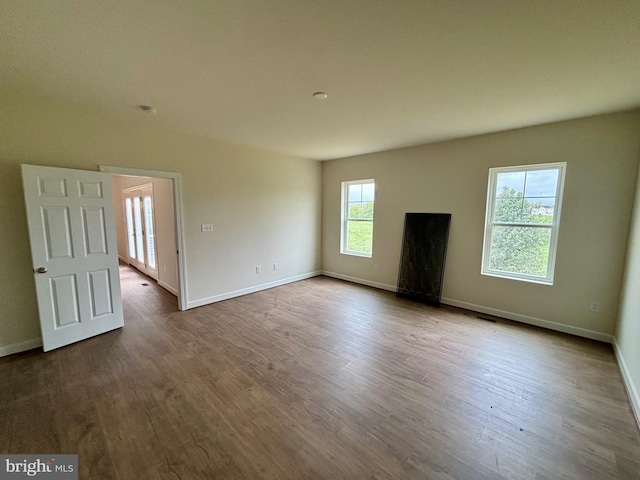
point(141, 240)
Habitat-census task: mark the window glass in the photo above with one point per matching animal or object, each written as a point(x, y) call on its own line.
point(357, 217)
point(522, 220)
point(137, 218)
point(131, 236)
point(150, 236)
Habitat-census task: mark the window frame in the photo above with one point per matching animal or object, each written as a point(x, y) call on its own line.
point(344, 217)
point(554, 227)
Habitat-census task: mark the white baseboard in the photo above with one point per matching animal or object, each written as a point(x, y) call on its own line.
point(123, 260)
point(168, 287)
point(361, 281)
point(20, 347)
point(538, 322)
point(246, 291)
point(632, 390)
point(559, 327)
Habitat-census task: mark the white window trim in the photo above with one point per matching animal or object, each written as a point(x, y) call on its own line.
point(345, 214)
point(554, 227)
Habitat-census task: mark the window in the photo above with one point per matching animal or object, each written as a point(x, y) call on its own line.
point(357, 217)
point(522, 219)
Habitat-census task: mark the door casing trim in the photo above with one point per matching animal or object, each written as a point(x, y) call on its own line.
point(177, 203)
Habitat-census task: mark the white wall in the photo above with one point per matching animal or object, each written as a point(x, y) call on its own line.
point(602, 155)
point(628, 331)
point(265, 207)
point(164, 216)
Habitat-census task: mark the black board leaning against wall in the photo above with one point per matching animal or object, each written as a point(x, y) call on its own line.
point(424, 249)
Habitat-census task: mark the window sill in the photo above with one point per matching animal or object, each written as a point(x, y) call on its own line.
point(356, 254)
point(539, 281)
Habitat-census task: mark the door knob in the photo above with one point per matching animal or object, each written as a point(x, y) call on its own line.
point(41, 270)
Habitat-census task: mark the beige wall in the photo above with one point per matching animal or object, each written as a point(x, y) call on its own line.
point(602, 155)
point(165, 230)
point(628, 332)
point(265, 207)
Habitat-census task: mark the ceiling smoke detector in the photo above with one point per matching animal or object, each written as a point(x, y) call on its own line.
point(148, 109)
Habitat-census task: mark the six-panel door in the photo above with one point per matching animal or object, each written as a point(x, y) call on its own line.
point(74, 252)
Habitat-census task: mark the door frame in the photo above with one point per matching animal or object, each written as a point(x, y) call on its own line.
point(176, 179)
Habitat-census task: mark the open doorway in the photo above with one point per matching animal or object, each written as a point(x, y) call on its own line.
point(145, 229)
point(149, 238)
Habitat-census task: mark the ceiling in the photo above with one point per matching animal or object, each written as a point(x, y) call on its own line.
point(397, 72)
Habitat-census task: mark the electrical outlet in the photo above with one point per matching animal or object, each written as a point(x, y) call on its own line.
point(258, 269)
point(595, 306)
point(275, 266)
point(207, 227)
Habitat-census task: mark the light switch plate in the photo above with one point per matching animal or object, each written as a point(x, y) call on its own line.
point(207, 227)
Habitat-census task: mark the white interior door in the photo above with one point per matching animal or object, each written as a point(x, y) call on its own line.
point(74, 252)
point(140, 225)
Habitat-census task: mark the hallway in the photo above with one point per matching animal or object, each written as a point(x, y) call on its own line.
point(142, 295)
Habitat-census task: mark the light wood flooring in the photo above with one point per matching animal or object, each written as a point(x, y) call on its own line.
point(321, 379)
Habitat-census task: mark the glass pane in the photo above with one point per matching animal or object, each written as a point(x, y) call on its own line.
point(508, 207)
point(130, 232)
point(510, 181)
point(520, 250)
point(355, 210)
point(359, 210)
point(541, 183)
point(367, 210)
point(151, 246)
point(355, 193)
point(540, 209)
point(368, 192)
point(511, 206)
point(137, 218)
point(359, 236)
